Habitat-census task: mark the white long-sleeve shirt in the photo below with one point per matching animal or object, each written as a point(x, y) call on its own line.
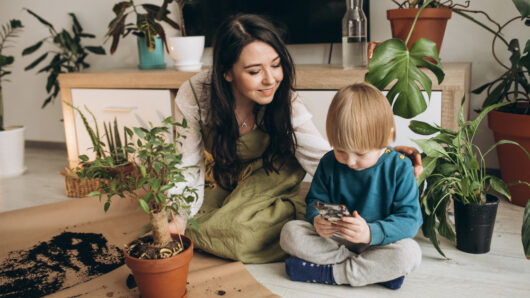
point(311, 146)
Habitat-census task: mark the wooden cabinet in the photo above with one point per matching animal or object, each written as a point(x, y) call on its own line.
point(78, 88)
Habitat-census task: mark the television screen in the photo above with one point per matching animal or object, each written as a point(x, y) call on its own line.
point(300, 21)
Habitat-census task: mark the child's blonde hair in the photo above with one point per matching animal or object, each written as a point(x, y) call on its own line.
point(360, 119)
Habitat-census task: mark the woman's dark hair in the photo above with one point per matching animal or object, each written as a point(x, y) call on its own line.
point(231, 37)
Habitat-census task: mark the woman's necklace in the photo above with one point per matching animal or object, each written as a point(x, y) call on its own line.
point(244, 122)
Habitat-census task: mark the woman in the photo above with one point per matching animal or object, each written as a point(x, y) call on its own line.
point(257, 142)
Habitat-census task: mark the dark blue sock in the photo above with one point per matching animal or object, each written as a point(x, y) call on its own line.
point(393, 284)
point(301, 270)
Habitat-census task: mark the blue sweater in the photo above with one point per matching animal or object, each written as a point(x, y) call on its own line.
point(385, 195)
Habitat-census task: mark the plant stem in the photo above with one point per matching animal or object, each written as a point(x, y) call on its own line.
point(1, 107)
point(415, 19)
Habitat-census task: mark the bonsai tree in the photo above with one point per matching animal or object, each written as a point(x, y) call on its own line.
point(454, 168)
point(69, 53)
point(391, 60)
point(148, 24)
point(158, 162)
point(9, 30)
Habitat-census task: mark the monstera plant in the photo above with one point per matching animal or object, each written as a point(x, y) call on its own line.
point(391, 60)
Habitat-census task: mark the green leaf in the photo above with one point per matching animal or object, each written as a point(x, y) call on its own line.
point(94, 194)
point(429, 164)
point(525, 231)
point(391, 60)
point(43, 21)
point(143, 170)
point(106, 206)
point(422, 128)
point(34, 63)
point(499, 186)
point(431, 148)
point(523, 6)
point(139, 132)
point(194, 224)
point(32, 48)
point(96, 50)
point(143, 205)
point(6, 60)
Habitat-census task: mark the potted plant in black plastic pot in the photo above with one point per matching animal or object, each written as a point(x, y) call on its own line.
point(11, 138)
point(513, 85)
point(392, 61)
point(160, 261)
point(454, 168)
point(148, 29)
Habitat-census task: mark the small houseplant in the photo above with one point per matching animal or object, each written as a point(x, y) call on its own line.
point(148, 29)
point(454, 168)
point(111, 158)
point(513, 85)
point(12, 138)
point(158, 262)
point(525, 231)
point(391, 60)
point(69, 53)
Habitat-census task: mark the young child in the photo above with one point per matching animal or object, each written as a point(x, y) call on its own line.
point(378, 187)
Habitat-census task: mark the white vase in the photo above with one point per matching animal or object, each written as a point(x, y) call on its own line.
point(186, 51)
point(12, 152)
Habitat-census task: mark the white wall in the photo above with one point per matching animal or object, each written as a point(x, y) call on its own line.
point(23, 96)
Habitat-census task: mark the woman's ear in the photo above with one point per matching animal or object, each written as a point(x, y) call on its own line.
point(228, 76)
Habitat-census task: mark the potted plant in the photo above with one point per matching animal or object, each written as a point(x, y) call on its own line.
point(525, 231)
point(69, 53)
point(186, 50)
point(431, 22)
point(148, 29)
point(159, 262)
point(11, 138)
point(454, 168)
point(111, 159)
point(513, 85)
point(392, 60)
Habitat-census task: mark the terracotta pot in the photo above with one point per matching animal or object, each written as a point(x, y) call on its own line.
point(514, 164)
point(164, 277)
point(431, 24)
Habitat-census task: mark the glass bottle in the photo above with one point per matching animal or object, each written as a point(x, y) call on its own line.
point(354, 39)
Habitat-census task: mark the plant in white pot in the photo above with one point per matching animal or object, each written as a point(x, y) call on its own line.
point(160, 261)
point(148, 28)
point(186, 50)
point(11, 138)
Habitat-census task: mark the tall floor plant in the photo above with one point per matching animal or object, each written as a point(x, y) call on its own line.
point(9, 31)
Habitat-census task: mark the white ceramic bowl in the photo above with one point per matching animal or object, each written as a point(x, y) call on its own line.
point(186, 51)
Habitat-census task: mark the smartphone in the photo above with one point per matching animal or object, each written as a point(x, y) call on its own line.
point(331, 212)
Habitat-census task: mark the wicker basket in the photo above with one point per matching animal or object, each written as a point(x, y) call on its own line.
point(77, 188)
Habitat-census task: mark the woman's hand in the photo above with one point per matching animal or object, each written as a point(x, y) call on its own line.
point(178, 225)
point(354, 229)
point(323, 227)
point(414, 155)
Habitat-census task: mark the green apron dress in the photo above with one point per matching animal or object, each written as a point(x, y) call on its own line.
point(244, 223)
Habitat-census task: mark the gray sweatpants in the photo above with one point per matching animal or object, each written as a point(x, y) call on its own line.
point(353, 264)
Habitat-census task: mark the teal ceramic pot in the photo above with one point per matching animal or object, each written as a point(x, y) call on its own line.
point(151, 60)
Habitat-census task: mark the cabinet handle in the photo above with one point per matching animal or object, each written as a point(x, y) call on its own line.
point(119, 109)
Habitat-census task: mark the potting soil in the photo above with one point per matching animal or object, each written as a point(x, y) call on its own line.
point(64, 261)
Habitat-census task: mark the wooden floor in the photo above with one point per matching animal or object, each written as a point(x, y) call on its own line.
point(503, 272)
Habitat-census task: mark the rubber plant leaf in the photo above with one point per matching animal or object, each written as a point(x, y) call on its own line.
point(525, 231)
point(392, 61)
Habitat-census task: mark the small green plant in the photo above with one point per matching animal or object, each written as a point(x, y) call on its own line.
point(9, 31)
point(69, 53)
point(454, 168)
point(525, 231)
point(433, 4)
point(392, 60)
point(112, 155)
point(159, 163)
point(148, 24)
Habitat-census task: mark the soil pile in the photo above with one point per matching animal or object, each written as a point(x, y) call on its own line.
point(64, 261)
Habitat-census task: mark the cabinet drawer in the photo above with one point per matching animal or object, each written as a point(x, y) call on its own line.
point(131, 107)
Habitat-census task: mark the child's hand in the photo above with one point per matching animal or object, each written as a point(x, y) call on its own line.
point(177, 225)
point(323, 227)
point(354, 229)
